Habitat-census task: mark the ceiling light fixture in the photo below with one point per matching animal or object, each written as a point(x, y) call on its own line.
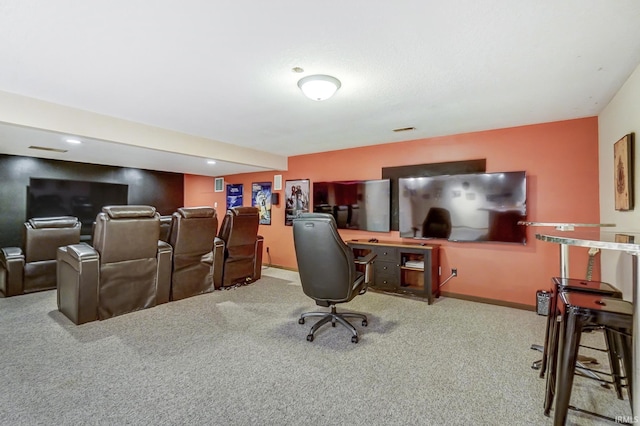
point(211, 161)
point(76, 141)
point(319, 87)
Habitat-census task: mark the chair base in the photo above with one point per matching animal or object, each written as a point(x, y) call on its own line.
point(333, 317)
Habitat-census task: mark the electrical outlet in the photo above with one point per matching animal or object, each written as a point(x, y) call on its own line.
point(454, 272)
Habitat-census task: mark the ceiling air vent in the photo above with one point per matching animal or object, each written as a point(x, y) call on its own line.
point(44, 148)
point(404, 129)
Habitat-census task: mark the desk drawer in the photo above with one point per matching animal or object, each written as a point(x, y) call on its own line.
point(387, 254)
point(386, 275)
point(385, 268)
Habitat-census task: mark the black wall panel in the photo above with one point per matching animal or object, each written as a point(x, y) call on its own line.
point(163, 190)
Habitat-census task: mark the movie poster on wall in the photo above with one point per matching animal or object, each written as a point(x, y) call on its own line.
point(297, 193)
point(234, 195)
point(261, 198)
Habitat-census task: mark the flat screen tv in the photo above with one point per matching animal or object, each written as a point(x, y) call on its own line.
point(84, 200)
point(359, 204)
point(466, 207)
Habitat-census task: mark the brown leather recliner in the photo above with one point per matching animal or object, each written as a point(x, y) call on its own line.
point(33, 267)
point(242, 246)
point(193, 238)
point(165, 228)
point(127, 269)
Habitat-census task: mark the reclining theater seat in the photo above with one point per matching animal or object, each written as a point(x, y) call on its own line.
point(192, 235)
point(34, 269)
point(127, 269)
point(242, 246)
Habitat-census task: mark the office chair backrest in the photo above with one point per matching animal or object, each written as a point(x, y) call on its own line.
point(437, 224)
point(126, 233)
point(325, 263)
point(193, 230)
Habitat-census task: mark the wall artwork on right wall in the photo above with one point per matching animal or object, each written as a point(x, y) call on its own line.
point(623, 170)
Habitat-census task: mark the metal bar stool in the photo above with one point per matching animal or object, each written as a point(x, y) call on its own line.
point(569, 284)
point(581, 310)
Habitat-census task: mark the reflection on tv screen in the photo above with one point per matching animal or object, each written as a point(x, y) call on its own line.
point(471, 207)
point(364, 205)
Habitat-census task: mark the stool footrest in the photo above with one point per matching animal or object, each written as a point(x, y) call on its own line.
point(591, 413)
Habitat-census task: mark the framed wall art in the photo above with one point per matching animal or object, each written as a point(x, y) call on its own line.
point(261, 198)
point(297, 199)
point(234, 195)
point(623, 173)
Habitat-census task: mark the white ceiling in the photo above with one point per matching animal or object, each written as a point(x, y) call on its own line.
point(222, 70)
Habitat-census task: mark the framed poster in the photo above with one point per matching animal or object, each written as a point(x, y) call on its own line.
point(297, 193)
point(234, 195)
point(261, 198)
point(623, 173)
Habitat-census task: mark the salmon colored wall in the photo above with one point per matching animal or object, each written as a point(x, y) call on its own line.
point(561, 161)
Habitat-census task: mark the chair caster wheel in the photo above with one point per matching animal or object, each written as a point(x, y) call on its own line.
point(310, 337)
point(333, 324)
point(354, 339)
point(301, 321)
point(364, 323)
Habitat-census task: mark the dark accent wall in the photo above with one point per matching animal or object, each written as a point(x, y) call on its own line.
point(432, 169)
point(163, 190)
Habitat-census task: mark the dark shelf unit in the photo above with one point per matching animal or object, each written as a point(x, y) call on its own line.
point(403, 268)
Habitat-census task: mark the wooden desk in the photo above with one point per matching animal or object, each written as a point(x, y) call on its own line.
point(403, 268)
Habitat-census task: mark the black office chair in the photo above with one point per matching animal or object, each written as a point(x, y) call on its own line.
point(328, 271)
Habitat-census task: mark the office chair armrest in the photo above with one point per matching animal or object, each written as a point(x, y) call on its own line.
point(368, 269)
point(366, 259)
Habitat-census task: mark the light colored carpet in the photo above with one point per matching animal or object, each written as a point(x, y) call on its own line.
point(239, 357)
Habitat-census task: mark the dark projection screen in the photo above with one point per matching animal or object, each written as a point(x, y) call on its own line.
point(82, 199)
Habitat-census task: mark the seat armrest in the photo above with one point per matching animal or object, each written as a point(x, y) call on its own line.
point(11, 271)
point(163, 274)
point(218, 262)
point(79, 252)
point(78, 280)
point(10, 253)
point(257, 258)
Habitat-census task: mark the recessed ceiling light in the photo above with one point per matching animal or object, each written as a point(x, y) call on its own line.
point(76, 141)
point(211, 161)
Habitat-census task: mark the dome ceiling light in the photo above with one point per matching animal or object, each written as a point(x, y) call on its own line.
point(319, 87)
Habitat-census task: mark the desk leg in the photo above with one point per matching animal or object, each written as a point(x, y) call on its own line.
point(564, 261)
